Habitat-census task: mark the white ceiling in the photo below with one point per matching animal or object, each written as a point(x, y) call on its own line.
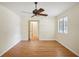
point(51, 8)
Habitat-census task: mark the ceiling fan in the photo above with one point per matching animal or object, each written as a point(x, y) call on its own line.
point(38, 12)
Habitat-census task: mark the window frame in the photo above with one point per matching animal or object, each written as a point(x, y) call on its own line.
point(63, 25)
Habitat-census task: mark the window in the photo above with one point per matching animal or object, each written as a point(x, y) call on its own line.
point(63, 25)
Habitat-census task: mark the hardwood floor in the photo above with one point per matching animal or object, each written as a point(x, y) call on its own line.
point(39, 49)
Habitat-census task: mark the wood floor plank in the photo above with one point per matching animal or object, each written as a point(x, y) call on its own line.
point(39, 49)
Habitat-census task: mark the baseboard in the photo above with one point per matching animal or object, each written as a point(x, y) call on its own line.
point(9, 48)
point(68, 48)
point(47, 39)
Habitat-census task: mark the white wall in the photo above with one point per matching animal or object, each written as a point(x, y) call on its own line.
point(9, 29)
point(71, 40)
point(46, 27)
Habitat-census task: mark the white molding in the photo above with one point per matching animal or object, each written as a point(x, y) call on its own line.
point(9, 48)
point(68, 48)
point(46, 39)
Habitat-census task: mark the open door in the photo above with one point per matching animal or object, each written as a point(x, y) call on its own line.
point(33, 30)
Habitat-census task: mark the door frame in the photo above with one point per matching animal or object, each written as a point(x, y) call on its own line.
point(29, 28)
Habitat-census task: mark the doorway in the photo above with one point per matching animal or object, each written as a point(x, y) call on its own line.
point(33, 30)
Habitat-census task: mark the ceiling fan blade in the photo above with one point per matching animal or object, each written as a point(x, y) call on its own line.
point(41, 10)
point(32, 16)
point(43, 14)
point(26, 12)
